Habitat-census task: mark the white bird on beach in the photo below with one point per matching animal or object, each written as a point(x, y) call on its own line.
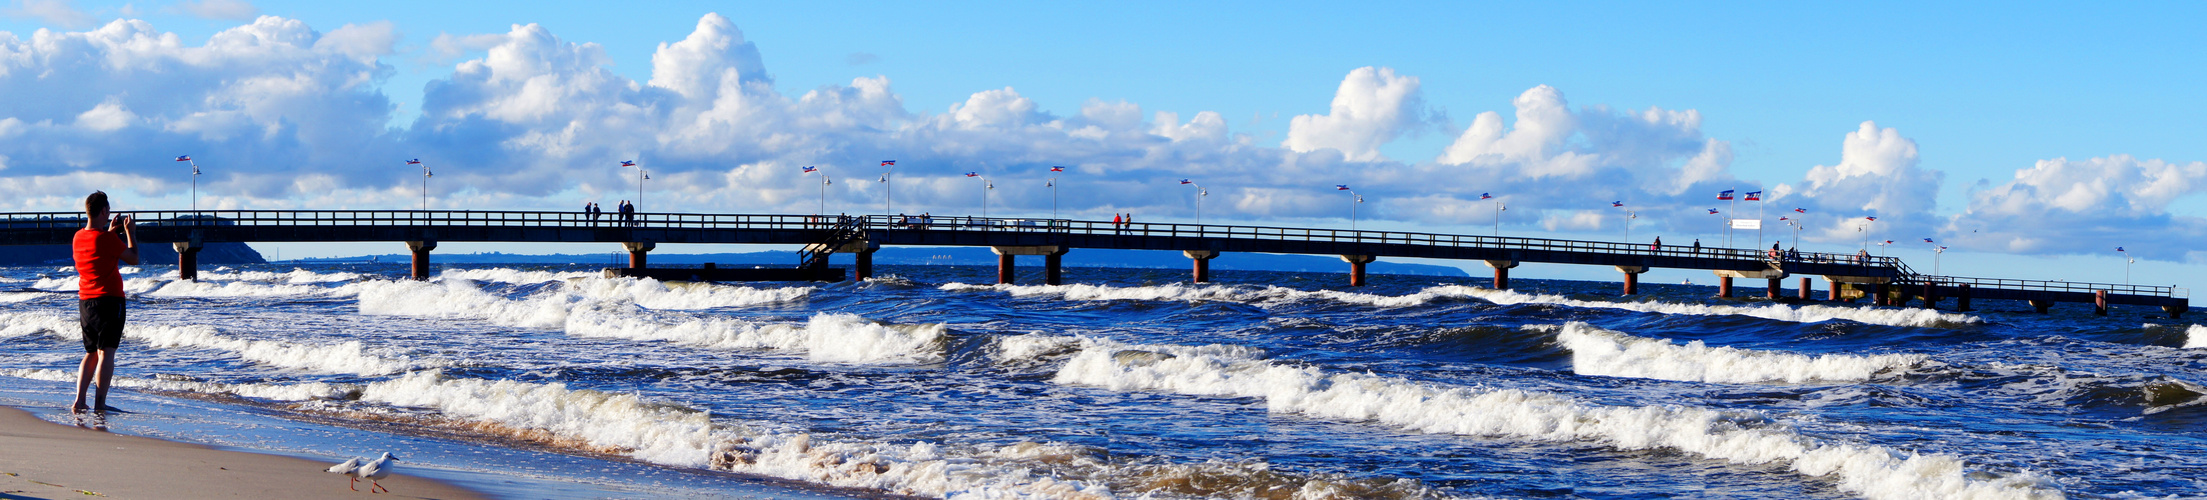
point(377, 470)
point(347, 469)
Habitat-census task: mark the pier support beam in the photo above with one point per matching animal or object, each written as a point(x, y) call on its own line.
point(1771, 292)
point(2099, 302)
point(1961, 298)
point(863, 262)
point(1053, 267)
point(1882, 295)
point(1502, 273)
point(636, 251)
point(1724, 287)
point(1356, 267)
point(1807, 288)
point(421, 257)
point(1832, 294)
point(1632, 278)
point(187, 260)
point(1202, 260)
point(1930, 295)
point(2175, 311)
point(1004, 262)
point(2041, 304)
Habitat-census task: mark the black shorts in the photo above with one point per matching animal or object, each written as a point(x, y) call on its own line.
point(102, 318)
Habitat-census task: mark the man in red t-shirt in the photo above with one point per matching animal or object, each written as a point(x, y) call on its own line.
point(97, 247)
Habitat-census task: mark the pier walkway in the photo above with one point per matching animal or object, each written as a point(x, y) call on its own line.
point(1886, 280)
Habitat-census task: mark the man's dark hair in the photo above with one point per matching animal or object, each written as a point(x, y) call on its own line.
point(97, 202)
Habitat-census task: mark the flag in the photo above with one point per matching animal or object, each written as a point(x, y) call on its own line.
point(1618, 203)
point(1725, 195)
point(1872, 219)
point(1927, 240)
point(1485, 196)
point(1754, 195)
point(972, 174)
point(811, 169)
point(1341, 187)
point(1712, 211)
point(1784, 218)
point(416, 161)
point(626, 163)
point(1888, 242)
point(184, 158)
point(1057, 169)
point(1801, 210)
point(1185, 181)
point(888, 163)
point(1942, 248)
point(2118, 249)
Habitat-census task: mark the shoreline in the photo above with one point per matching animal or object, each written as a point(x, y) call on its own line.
point(50, 460)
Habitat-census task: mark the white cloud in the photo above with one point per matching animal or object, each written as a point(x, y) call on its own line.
point(109, 116)
point(1877, 175)
point(1371, 108)
point(2087, 206)
point(61, 13)
point(222, 10)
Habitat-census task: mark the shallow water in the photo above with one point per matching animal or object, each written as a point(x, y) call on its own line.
point(1133, 383)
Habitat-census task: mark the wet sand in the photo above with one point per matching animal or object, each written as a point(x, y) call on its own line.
point(42, 459)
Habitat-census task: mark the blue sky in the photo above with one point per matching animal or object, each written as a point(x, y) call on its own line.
point(1922, 114)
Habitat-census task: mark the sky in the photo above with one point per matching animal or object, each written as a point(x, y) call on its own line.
point(2031, 140)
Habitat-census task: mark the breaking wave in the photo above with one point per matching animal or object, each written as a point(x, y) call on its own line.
point(1595, 351)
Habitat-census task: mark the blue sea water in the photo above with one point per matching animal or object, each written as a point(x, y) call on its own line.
point(931, 382)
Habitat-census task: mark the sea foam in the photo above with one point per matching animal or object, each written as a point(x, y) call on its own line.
point(1742, 437)
point(1608, 353)
point(343, 357)
point(2195, 337)
point(274, 392)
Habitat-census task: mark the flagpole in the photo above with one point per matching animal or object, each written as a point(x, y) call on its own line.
point(1053, 197)
point(1498, 219)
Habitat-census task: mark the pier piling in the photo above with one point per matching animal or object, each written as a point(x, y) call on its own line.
point(1202, 260)
point(1501, 273)
point(421, 257)
point(1632, 278)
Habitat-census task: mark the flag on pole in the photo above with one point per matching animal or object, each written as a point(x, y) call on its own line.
point(1872, 219)
point(416, 161)
point(1618, 203)
point(1057, 169)
point(184, 158)
point(2118, 249)
point(1754, 195)
point(811, 169)
point(1927, 240)
point(1341, 187)
point(1888, 242)
point(1712, 211)
point(1784, 218)
point(972, 174)
point(627, 163)
point(1185, 181)
point(1801, 210)
point(1725, 195)
point(888, 163)
point(1485, 196)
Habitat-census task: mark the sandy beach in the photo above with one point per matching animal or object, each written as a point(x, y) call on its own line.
point(48, 460)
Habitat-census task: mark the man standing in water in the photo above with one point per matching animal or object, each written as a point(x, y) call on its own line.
point(97, 247)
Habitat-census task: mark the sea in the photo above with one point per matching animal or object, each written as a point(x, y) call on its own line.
point(551, 381)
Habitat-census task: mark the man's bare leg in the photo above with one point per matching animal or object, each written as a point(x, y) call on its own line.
point(107, 379)
point(85, 372)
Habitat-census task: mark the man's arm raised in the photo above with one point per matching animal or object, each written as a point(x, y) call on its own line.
point(129, 226)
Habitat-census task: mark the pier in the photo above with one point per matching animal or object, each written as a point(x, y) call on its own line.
point(1848, 277)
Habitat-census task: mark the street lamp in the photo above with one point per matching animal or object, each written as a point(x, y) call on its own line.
point(1352, 205)
point(424, 182)
point(1053, 185)
point(1199, 194)
point(2127, 261)
point(985, 187)
point(1498, 208)
point(1865, 230)
point(195, 181)
point(1629, 216)
point(824, 182)
point(640, 177)
point(888, 193)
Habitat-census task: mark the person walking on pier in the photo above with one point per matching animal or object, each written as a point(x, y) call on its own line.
point(1658, 246)
point(97, 248)
point(1697, 245)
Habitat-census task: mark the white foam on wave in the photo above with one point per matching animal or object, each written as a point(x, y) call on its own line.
point(675, 435)
point(206, 289)
point(344, 357)
point(826, 337)
point(516, 276)
point(20, 297)
point(296, 276)
point(1736, 436)
point(132, 286)
point(1265, 296)
point(658, 295)
point(1780, 312)
point(276, 392)
point(1609, 353)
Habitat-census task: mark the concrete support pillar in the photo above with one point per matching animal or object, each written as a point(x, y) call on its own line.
point(1202, 260)
point(2175, 311)
point(1771, 291)
point(421, 257)
point(1724, 287)
point(636, 251)
point(187, 260)
point(1881, 295)
point(1832, 290)
point(864, 262)
point(1930, 295)
point(1053, 265)
point(1502, 273)
point(1961, 298)
point(1806, 289)
point(2099, 302)
point(1005, 264)
point(1356, 267)
point(1632, 278)
point(2041, 304)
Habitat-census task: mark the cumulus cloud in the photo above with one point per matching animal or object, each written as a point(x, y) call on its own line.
point(1372, 107)
point(2063, 206)
point(61, 13)
point(1877, 175)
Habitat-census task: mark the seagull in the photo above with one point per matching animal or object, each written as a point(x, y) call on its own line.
point(347, 469)
point(374, 471)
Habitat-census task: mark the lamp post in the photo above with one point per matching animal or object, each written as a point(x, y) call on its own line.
point(640, 177)
point(1359, 199)
point(985, 187)
point(1053, 185)
point(1629, 216)
point(1865, 230)
point(195, 181)
point(424, 182)
point(1938, 252)
point(1498, 208)
point(824, 182)
point(2127, 261)
point(1199, 194)
point(888, 191)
